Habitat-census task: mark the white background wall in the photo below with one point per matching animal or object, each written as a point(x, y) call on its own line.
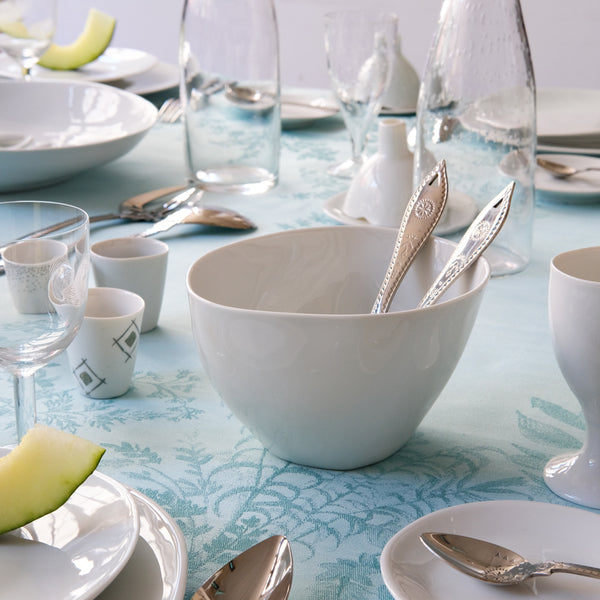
point(563, 35)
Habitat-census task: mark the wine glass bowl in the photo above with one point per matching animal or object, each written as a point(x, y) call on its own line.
point(27, 30)
point(360, 47)
point(574, 314)
point(43, 291)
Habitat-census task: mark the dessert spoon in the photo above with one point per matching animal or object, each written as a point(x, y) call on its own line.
point(495, 564)
point(263, 572)
point(562, 171)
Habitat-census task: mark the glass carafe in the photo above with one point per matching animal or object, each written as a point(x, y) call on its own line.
point(476, 110)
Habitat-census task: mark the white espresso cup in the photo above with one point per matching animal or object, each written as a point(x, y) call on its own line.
point(135, 264)
point(102, 355)
point(29, 266)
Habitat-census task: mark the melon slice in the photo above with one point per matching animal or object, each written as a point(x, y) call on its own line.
point(92, 42)
point(41, 473)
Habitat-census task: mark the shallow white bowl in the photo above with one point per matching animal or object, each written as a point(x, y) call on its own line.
point(284, 332)
point(68, 127)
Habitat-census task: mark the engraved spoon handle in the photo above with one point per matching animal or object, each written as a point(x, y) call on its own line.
point(419, 220)
point(476, 239)
point(572, 568)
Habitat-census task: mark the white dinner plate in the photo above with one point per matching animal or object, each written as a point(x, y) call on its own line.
point(578, 189)
point(75, 551)
point(299, 109)
point(113, 63)
point(397, 110)
point(158, 568)
point(159, 78)
point(71, 125)
point(462, 210)
point(536, 530)
point(568, 114)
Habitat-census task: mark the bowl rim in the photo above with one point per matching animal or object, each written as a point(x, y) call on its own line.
point(315, 316)
point(148, 117)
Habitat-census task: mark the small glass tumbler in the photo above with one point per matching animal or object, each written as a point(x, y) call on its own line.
point(476, 110)
point(230, 93)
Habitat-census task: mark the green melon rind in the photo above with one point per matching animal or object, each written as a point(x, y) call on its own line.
point(41, 474)
point(93, 41)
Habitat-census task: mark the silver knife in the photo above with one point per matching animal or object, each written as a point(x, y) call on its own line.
point(419, 220)
point(476, 239)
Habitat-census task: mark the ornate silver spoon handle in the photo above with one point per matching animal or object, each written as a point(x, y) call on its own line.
point(573, 569)
point(419, 220)
point(476, 239)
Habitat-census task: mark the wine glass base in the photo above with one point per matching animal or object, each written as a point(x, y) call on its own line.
point(575, 477)
point(347, 169)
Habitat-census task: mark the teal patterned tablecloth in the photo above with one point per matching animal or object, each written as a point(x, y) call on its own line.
point(504, 413)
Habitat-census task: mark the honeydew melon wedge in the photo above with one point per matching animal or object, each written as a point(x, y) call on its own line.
point(41, 473)
point(90, 44)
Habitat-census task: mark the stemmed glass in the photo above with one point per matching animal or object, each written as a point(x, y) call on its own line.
point(574, 312)
point(360, 46)
point(27, 30)
point(43, 291)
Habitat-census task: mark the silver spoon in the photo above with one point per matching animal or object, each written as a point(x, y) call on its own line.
point(263, 572)
point(495, 564)
point(562, 171)
point(476, 239)
point(419, 220)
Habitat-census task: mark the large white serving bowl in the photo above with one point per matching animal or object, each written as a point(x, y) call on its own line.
point(284, 332)
point(66, 127)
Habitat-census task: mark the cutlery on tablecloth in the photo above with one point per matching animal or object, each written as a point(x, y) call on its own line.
point(263, 572)
point(420, 218)
point(476, 239)
point(562, 171)
point(495, 564)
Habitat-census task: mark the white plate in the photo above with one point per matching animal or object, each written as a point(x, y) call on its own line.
point(158, 568)
point(73, 126)
point(114, 63)
point(397, 110)
point(535, 530)
point(319, 106)
point(75, 551)
point(579, 189)
point(462, 212)
point(567, 114)
point(159, 78)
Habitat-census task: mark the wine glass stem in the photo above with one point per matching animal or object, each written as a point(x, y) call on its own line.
point(24, 393)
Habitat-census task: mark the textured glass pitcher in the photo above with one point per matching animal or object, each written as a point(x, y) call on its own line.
point(476, 110)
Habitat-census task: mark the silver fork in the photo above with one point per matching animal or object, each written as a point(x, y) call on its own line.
point(170, 111)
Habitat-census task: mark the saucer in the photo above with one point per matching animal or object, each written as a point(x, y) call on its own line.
point(536, 530)
point(158, 568)
point(578, 189)
point(75, 551)
point(302, 108)
point(462, 212)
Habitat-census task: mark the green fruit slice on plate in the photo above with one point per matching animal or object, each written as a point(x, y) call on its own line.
point(41, 473)
point(92, 42)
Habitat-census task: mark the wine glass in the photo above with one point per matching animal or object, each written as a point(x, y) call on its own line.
point(27, 30)
point(43, 291)
point(360, 46)
point(574, 312)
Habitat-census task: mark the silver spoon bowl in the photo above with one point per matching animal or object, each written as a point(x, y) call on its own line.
point(562, 171)
point(263, 572)
point(495, 564)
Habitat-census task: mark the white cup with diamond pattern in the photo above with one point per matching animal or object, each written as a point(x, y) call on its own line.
point(102, 355)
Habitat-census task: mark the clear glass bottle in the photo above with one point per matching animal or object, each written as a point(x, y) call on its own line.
point(476, 110)
point(230, 93)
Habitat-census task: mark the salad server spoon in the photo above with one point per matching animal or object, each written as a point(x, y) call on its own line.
point(476, 239)
point(263, 572)
point(419, 220)
point(495, 564)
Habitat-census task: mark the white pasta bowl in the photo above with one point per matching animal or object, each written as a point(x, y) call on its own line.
point(52, 130)
point(283, 326)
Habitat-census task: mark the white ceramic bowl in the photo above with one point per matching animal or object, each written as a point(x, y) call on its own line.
point(67, 127)
point(284, 332)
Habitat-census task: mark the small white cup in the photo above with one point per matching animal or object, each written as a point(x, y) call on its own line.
point(102, 355)
point(135, 264)
point(29, 266)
